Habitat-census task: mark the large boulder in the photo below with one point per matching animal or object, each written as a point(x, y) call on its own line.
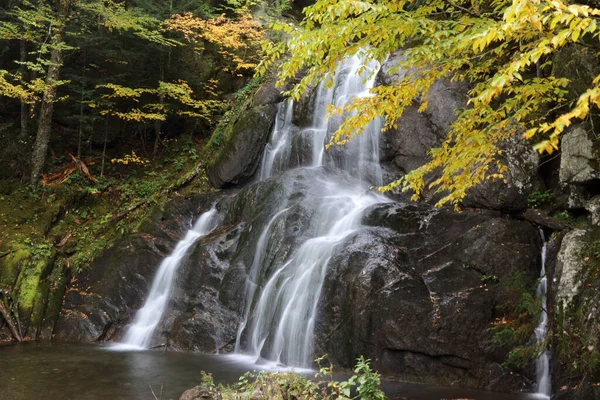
point(248, 135)
point(579, 166)
point(410, 293)
point(407, 146)
point(240, 138)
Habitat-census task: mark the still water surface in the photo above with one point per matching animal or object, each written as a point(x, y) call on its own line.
point(88, 372)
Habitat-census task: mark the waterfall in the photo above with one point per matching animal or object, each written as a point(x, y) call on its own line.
point(277, 151)
point(139, 334)
point(280, 313)
point(542, 364)
point(290, 147)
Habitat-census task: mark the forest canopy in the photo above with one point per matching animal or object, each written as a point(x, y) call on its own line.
point(97, 71)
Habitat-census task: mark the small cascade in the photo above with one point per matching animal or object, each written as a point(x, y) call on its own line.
point(277, 151)
point(281, 304)
point(542, 364)
point(139, 334)
point(251, 283)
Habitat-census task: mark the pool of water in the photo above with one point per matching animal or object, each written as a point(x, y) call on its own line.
point(34, 371)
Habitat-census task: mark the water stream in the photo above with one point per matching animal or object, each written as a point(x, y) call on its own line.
point(542, 364)
point(280, 313)
point(139, 334)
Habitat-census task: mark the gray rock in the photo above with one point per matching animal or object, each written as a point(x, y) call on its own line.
point(200, 393)
point(267, 94)
point(579, 156)
point(575, 304)
point(512, 192)
point(593, 207)
point(579, 165)
point(570, 267)
point(407, 146)
point(577, 63)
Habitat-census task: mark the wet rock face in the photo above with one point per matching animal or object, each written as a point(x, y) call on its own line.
point(208, 297)
point(408, 293)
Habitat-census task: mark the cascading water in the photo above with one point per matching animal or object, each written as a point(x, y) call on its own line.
point(542, 364)
point(280, 313)
point(290, 147)
point(139, 334)
point(277, 151)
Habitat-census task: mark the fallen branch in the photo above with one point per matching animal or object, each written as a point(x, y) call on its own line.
point(9, 321)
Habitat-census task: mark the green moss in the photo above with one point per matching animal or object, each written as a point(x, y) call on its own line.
point(11, 265)
point(27, 284)
point(223, 137)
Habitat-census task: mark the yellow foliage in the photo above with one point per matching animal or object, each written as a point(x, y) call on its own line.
point(503, 48)
point(130, 159)
point(237, 39)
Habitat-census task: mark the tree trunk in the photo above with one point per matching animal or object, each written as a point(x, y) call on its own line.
point(24, 107)
point(42, 139)
point(104, 148)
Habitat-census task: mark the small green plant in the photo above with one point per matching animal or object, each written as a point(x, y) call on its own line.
point(540, 199)
point(521, 313)
point(564, 216)
point(365, 382)
point(520, 357)
point(489, 279)
point(594, 248)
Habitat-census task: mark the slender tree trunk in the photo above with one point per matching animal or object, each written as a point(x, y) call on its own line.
point(42, 139)
point(24, 107)
point(81, 115)
point(157, 123)
point(104, 148)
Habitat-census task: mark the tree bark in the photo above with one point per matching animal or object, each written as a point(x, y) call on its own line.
point(24, 107)
point(8, 319)
point(42, 139)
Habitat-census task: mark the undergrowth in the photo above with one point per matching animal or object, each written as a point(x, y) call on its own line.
point(363, 384)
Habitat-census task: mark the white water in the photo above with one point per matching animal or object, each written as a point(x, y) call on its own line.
point(277, 152)
point(279, 316)
point(139, 334)
point(289, 147)
point(542, 364)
